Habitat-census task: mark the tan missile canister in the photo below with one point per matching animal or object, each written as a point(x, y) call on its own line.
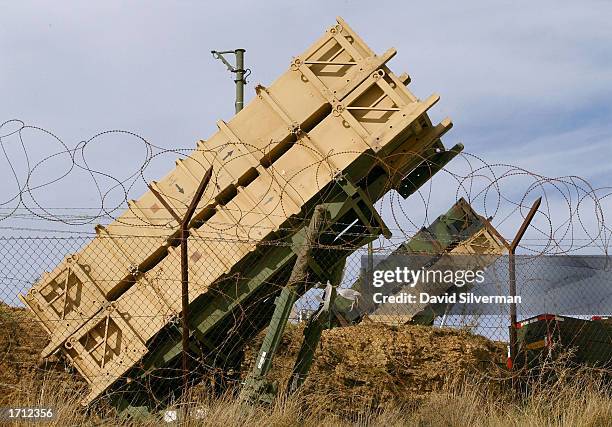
point(337, 111)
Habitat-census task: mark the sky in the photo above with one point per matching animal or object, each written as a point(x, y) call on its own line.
point(527, 84)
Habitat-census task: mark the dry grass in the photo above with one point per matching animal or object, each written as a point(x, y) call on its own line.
point(558, 395)
point(573, 398)
point(377, 365)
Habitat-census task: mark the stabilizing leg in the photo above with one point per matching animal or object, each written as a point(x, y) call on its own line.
point(320, 320)
point(256, 387)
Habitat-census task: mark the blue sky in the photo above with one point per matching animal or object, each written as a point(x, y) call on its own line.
point(526, 83)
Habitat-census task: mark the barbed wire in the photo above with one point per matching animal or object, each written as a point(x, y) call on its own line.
point(572, 219)
point(582, 219)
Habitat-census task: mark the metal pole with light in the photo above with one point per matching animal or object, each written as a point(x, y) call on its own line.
point(238, 69)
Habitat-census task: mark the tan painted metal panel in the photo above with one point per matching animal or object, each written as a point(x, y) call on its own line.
point(337, 105)
point(105, 348)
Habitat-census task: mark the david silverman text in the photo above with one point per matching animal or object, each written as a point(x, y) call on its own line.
point(425, 298)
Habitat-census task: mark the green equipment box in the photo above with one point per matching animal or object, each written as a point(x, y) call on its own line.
point(588, 341)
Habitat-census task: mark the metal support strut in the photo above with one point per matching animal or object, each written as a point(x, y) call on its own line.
point(256, 387)
point(322, 319)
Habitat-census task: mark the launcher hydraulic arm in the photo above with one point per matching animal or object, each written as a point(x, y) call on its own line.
point(256, 387)
point(318, 322)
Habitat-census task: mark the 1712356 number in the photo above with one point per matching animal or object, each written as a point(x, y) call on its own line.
point(26, 413)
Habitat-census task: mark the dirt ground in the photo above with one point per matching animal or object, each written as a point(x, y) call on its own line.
point(357, 367)
point(21, 340)
point(374, 365)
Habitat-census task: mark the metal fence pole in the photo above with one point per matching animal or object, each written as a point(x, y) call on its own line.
point(185, 271)
point(512, 274)
point(370, 260)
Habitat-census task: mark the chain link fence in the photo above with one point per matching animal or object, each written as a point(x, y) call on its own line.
point(82, 303)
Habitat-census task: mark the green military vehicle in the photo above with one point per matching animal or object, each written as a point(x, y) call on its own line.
point(460, 234)
point(585, 341)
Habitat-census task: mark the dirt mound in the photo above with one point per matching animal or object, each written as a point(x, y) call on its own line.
point(357, 367)
point(373, 365)
point(21, 340)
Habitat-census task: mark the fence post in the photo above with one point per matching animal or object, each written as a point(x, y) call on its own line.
point(183, 235)
point(185, 271)
point(512, 274)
